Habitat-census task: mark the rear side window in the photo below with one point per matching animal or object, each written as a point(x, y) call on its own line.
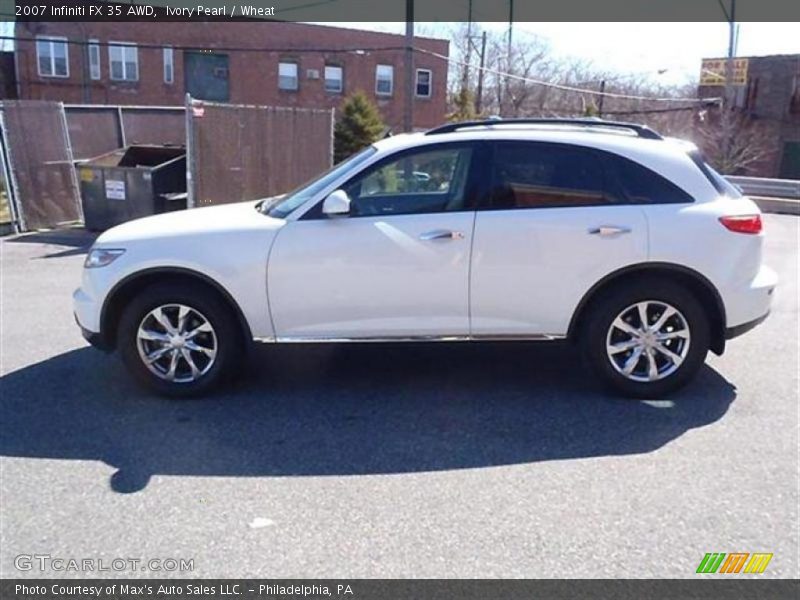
point(640, 185)
point(722, 185)
point(538, 175)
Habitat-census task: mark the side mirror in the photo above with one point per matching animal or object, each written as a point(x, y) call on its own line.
point(337, 204)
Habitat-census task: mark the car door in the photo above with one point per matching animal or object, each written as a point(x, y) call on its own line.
point(396, 267)
point(555, 226)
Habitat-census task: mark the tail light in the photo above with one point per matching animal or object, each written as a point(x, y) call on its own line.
point(742, 223)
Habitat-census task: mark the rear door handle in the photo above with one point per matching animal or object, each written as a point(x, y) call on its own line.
point(608, 230)
point(441, 234)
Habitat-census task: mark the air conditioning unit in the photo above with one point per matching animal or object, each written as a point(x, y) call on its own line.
point(312, 73)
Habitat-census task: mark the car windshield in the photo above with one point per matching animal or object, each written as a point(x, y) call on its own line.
point(296, 198)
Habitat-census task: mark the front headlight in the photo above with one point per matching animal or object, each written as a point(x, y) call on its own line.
point(101, 257)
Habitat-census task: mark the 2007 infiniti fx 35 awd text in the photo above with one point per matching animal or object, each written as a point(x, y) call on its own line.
point(603, 233)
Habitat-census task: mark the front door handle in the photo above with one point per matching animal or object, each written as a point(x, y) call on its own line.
point(441, 234)
point(608, 230)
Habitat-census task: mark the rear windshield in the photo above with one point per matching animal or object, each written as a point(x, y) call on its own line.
point(722, 185)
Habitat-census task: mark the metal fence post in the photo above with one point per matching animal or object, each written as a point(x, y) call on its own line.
point(11, 181)
point(71, 158)
point(333, 136)
point(122, 139)
point(190, 158)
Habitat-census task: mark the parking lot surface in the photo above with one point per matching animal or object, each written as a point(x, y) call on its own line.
point(472, 460)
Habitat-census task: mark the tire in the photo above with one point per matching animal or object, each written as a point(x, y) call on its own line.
point(610, 347)
point(210, 335)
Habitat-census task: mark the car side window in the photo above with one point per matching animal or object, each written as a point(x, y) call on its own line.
point(541, 175)
point(640, 185)
point(425, 181)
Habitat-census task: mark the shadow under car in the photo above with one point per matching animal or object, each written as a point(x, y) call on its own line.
point(344, 410)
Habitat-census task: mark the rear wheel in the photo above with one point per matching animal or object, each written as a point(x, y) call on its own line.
point(180, 340)
point(646, 339)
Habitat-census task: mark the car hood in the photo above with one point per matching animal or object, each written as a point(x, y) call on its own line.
point(228, 218)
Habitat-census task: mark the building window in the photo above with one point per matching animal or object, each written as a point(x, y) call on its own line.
point(287, 76)
point(334, 79)
point(94, 59)
point(123, 62)
point(53, 57)
point(384, 80)
point(423, 84)
point(169, 67)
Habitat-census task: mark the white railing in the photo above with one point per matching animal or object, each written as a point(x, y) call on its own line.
point(759, 186)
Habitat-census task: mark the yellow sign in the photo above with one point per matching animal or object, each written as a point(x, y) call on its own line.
point(713, 71)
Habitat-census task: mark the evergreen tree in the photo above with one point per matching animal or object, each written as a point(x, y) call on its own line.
point(464, 106)
point(360, 125)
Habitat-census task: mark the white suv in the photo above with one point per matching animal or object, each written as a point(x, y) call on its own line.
point(598, 232)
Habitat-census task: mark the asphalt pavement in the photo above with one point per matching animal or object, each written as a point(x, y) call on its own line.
point(445, 460)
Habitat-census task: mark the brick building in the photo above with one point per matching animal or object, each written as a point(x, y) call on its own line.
point(269, 63)
point(769, 95)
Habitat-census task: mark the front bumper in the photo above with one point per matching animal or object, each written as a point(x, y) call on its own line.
point(86, 316)
point(95, 338)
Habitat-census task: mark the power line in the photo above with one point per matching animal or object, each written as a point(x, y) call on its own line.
point(568, 88)
point(365, 49)
point(652, 111)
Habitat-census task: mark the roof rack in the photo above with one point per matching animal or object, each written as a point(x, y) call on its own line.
point(643, 131)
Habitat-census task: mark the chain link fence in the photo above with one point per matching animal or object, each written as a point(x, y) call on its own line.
point(41, 169)
point(244, 152)
point(95, 130)
point(235, 152)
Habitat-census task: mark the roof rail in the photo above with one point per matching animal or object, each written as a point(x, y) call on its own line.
point(643, 131)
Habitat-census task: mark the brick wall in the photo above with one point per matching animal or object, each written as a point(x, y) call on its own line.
point(253, 73)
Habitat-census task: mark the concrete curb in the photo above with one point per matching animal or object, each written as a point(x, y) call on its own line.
point(784, 206)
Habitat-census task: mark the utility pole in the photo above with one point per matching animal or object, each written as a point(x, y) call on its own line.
point(465, 74)
point(729, 101)
point(508, 49)
point(86, 93)
point(510, 27)
point(408, 112)
point(479, 96)
point(731, 48)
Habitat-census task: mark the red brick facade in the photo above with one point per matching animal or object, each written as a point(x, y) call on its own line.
point(252, 72)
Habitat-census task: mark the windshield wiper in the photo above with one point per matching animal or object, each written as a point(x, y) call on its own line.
point(265, 205)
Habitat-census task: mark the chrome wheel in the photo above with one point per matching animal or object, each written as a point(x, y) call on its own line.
point(648, 341)
point(176, 343)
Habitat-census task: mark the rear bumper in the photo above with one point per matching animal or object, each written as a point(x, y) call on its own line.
point(734, 332)
point(748, 305)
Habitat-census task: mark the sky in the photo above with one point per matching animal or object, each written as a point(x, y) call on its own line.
point(642, 48)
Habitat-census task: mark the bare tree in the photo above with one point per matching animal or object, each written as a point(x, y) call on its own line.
point(736, 145)
point(530, 80)
point(529, 58)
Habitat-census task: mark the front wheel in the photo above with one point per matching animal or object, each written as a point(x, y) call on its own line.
point(180, 340)
point(647, 340)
